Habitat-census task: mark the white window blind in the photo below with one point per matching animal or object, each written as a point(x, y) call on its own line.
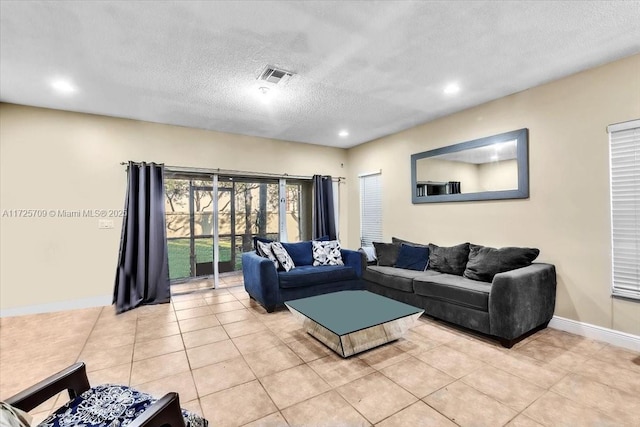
point(370, 209)
point(624, 144)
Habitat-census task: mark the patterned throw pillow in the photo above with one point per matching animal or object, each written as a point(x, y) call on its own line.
point(283, 256)
point(264, 250)
point(327, 253)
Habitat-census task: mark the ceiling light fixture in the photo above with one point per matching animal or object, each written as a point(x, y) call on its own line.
point(265, 96)
point(343, 133)
point(62, 86)
point(451, 88)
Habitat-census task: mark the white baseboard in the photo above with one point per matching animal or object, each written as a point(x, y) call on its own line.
point(58, 306)
point(621, 339)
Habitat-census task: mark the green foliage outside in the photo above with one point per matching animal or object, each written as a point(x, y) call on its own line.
point(179, 266)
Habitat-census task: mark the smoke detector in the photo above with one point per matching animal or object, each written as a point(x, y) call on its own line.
point(275, 75)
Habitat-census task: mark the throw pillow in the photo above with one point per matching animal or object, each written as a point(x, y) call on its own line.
point(450, 260)
point(387, 253)
point(485, 262)
point(283, 257)
point(300, 253)
point(264, 250)
point(399, 241)
point(326, 253)
point(412, 257)
point(257, 239)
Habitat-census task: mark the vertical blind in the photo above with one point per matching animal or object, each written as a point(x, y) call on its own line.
point(624, 144)
point(370, 209)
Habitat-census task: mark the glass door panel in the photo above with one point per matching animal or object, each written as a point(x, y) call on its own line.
point(189, 222)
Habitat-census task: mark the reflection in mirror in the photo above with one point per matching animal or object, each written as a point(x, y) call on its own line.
point(489, 168)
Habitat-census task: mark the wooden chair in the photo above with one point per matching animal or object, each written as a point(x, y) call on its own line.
point(163, 412)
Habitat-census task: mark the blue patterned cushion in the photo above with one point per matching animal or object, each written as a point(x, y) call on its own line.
point(109, 406)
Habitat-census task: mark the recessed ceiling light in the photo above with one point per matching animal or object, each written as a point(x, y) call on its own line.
point(265, 97)
point(62, 86)
point(451, 88)
point(343, 133)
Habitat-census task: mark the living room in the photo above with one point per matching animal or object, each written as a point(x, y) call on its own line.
point(70, 160)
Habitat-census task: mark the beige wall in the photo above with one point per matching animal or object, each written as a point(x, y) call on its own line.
point(59, 160)
point(498, 176)
point(567, 214)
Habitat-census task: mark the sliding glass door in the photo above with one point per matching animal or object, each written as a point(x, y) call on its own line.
point(244, 208)
point(189, 219)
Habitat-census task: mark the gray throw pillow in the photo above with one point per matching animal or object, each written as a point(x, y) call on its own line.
point(450, 260)
point(485, 262)
point(399, 241)
point(387, 253)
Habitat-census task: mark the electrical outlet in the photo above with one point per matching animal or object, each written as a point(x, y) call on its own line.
point(105, 224)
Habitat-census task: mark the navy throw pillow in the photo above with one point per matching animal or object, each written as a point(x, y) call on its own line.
point(412, 257)
point(301, 253)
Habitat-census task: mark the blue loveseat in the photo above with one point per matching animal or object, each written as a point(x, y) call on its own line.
point(272, 288)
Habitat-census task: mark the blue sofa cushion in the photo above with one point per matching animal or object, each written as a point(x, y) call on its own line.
point(308, 275)
point(412, 257)
point(300, 253)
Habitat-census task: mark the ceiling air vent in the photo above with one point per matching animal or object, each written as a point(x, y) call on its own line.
point(274, 75)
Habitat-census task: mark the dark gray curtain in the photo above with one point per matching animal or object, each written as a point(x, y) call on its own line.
point(324, 220)
point(143, 263)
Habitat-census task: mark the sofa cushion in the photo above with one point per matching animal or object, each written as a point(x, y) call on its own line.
point(308, 275)
point(395, 278)
point(412, 257)
point(283, 257)
point(299, 252)
point(326, 253)
point(399, 241)
point(454, 289)
point(450, 260)
point(110, 405)
point(485, 262)
point(387, 253)
point(257, 239)
point(265, 251)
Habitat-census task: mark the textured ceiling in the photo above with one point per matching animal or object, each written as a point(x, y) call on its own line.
point(373, 68)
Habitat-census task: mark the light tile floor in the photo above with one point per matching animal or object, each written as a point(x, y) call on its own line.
point(238, 365)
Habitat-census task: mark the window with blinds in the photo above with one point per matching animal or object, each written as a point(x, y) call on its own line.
point(370, 209)
point(624, 145)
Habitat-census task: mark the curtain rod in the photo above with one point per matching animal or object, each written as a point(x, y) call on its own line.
point(233, 172)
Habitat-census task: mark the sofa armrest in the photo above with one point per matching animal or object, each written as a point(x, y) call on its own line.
point(261, 279)
point(521, 300)
point(352, 259)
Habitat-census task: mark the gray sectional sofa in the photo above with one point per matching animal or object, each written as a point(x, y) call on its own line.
point(508, 307)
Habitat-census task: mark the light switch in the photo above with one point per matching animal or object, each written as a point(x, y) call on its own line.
point(104, 224)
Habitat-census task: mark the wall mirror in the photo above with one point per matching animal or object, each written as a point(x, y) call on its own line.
point(495, 167)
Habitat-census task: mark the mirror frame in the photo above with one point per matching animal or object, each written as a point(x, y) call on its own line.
point(522, 149)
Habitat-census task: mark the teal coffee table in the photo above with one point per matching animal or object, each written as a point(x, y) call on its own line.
point(349, 322)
